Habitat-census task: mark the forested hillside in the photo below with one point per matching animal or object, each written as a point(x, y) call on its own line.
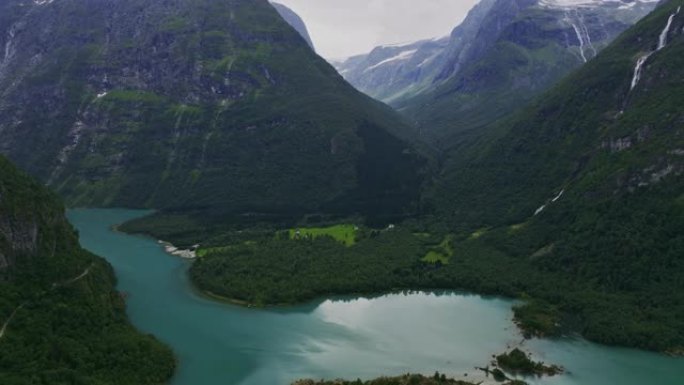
point(61, 320)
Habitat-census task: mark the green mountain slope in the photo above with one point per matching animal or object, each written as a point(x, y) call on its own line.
point(211, 107)
point(586, 186)
point(61, 321)
point(573, 206)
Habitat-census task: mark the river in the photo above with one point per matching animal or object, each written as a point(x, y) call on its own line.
point(351, 338)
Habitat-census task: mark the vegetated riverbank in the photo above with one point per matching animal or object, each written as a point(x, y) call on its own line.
point(340, 337)
point(260, 267)
point(407, 379)
point(516, 363)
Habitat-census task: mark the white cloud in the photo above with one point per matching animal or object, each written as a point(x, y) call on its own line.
point(342, 28)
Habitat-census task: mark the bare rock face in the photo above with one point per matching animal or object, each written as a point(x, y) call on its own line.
point(22, 235)
point(32, 223)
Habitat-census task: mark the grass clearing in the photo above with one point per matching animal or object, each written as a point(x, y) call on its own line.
point(344, 233)
point(442, 253)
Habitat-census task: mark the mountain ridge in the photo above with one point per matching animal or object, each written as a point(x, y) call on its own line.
point(292, 18)
point(214, 107)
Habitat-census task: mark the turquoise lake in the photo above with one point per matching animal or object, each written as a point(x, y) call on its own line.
point(351, 338)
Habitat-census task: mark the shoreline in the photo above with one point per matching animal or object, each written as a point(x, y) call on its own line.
point(170, 249)
point(320, 299)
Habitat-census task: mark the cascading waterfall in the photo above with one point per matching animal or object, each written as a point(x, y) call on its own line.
point(582, 33)
point(662, 43)
point(587, 35)
point(9, 45)
point(579, 37)
point(639, 68)
point(554, 200)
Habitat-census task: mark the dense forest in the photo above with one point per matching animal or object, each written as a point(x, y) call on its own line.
point(61, 320)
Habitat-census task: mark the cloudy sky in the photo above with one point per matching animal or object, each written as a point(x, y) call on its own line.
point(342, 28)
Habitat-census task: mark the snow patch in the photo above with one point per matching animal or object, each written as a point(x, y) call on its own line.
point(404, 55)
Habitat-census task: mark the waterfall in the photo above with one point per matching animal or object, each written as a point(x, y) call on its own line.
point(582, 33)
point(662, 43)
point(587, 35)
point(579, 37)
point(9, 45)
point(638, 69)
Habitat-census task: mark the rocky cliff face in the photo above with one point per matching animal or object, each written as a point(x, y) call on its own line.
point(32, 224)
point(209, 105)
point(296, 22)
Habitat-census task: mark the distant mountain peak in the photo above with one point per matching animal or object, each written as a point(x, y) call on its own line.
point(570, 4)
point(295, 21)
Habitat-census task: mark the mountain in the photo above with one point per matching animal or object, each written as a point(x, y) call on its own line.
point(586, 185)
point(398, 72)
point(393, 72)
point(213, 107)
point(520, 49)
point(504, 54)
point(61, 320)
point(296, 22)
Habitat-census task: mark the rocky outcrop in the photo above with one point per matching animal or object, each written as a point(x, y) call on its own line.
point(32, 223)
point(19, 238)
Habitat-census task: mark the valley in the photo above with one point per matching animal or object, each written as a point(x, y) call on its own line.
point(340, 337)
point(504, 204)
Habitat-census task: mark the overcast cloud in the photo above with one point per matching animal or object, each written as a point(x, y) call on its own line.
point(343, 28)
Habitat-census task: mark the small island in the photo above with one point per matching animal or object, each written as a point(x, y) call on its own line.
point(406, 379)
point(518, 362)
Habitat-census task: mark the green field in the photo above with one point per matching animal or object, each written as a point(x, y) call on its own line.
point(344, 233)
point(441, 253)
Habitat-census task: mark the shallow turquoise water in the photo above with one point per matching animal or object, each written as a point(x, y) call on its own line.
point(345, 337)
